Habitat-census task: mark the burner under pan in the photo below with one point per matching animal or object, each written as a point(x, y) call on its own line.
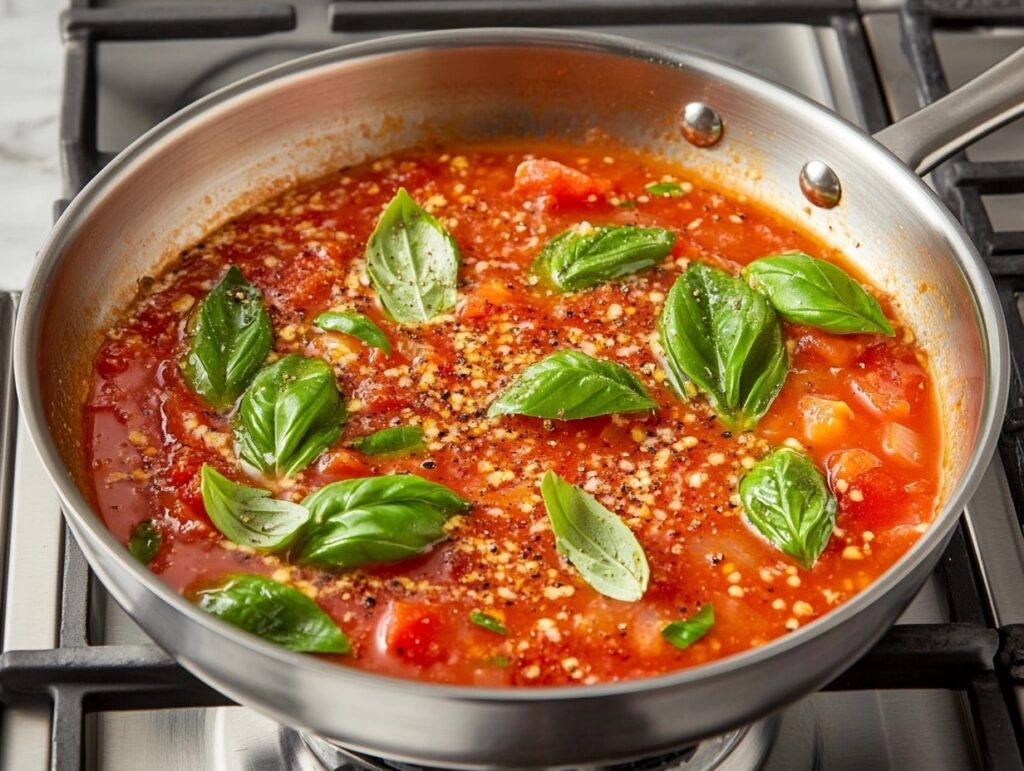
point(742, 750)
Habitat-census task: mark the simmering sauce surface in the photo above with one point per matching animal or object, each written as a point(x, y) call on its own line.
point(671, 476)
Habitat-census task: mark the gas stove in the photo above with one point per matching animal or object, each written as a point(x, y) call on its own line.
point(83, 687)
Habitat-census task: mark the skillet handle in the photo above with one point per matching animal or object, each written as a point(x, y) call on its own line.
point(933, 133)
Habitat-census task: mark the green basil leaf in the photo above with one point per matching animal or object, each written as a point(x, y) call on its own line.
point(392, 441)
point(805, 290)
point(786, 498)
point(145, 541)
point(275, 612)
point(488, 622)
point(412, 262)
point(572, 260)
point(229, 337)
point(666, 189)
point(375, 520)
point(290, 414)
point(724, 338)
point(248, 515)
point(595, 541)
point(685, 633)
point(570, 385)
point(355, 324)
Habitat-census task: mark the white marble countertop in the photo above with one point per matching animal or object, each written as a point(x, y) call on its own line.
point(30, 80)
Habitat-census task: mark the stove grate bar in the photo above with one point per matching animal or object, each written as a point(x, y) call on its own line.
point(379, 15)
point(114, 677)
point(989, 177)
point(83, 27)
point(129, 677)
point(168, 22)
point(956, 14)
point(8, 431)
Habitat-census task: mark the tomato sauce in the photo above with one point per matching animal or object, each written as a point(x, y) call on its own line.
point(861, 406)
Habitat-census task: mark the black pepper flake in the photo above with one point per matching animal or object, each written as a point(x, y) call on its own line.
point(429, 465)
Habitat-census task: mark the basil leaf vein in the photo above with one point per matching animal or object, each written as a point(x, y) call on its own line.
point(724, 338)
point(488, 622)
point(572, 260)
point(248, 515)
point(806, 290)
point(598, 544)
point(355, 324)
point(290, 414)
point(683, 634)
point(412, 262)
point(570, 385)
point(229, 337)
point(375, 520)
point(275, 612)
point(392, 441)
point(787, 500)
point(145, 541)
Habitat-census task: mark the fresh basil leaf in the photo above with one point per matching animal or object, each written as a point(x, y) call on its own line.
point(488, 622)
point(290, 414)
point(403, 440)
point(412, 262)
point(806, 290)
point(275, 612)
point(724, 338)
point(570, 385)
point(572, 260)
point(685, 633)
point(666, 189)
point(248, 515)
point(595, 541)
point(355, 324)
point(786, 498)
point(145, 541)
point(229, 336)
point(374, 520)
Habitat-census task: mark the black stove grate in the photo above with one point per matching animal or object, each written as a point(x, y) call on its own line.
point(968, 655)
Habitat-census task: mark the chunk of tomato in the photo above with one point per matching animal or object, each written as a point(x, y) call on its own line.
point(848, 465)
point(825, 420)
point(384, 396)
point(412, 632)
point(484, 301)
point(340, 463)
point(113, 359)
point(875, 499)
point(545, 177)
point(814, 345)
point(890, 381)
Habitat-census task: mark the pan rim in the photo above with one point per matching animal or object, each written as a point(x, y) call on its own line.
point(74, 504)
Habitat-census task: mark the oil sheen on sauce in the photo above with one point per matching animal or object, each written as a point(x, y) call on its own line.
point(671, 476)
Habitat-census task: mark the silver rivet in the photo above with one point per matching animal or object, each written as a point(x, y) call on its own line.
point(700, 125)
point(820, 185)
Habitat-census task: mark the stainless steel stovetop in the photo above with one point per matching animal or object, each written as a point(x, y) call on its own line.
point(141, 82)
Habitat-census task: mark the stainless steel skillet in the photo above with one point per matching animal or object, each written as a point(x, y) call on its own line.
point(231, 149)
